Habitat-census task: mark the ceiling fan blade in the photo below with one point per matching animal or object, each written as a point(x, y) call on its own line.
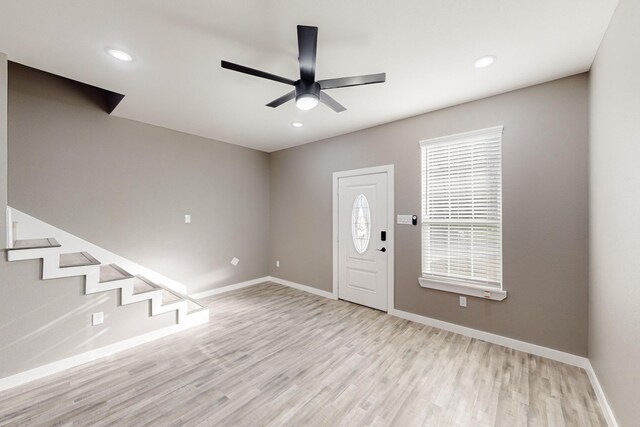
point(331, 103)
point(352, 81)
point(284, 98)
point(307, 48)
point(257, 73)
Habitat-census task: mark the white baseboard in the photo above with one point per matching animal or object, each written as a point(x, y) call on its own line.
point(73, 361)
point(80, 359)
point(560, 356)
point(260, 280)
point(230, 288)
point(538, 350)
point(602, 398)
point(301, 287)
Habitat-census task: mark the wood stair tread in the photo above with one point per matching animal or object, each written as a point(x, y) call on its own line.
point(140, 286)
point(35, 244)
point(172, 295)
point(111, 272)
point(132, 289)
point(77, 259)
point(194, 307)
point(169, 296)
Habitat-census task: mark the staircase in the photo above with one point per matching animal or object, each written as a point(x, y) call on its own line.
point(99, 277)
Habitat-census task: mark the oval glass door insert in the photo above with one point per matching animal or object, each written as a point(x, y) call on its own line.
point(361, 224)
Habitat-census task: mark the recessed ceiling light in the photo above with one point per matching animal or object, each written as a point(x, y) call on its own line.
point(118, 54)
point(485, 61)
point(296, 124)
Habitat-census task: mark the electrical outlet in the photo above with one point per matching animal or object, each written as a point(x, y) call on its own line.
point(187, 219)
point(463, 301)
point(97, 318)
point(235, 261)
point(277, 263)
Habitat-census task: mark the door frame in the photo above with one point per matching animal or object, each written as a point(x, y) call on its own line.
point(389, 170)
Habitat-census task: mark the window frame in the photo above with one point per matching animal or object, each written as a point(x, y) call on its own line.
point(452, 284)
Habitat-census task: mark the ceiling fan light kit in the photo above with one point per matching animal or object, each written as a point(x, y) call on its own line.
point(307, 91)
point(306, 101)
point(307, 95)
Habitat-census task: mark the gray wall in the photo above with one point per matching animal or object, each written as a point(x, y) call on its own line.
point(42, 322)
point(126, 186)
point(45, 321)
point(614, 298)
point(545, 216)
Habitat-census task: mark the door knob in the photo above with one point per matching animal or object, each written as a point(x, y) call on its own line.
point(382, 250)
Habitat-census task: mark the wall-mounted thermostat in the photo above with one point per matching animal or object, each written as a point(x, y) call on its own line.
point(408, 219)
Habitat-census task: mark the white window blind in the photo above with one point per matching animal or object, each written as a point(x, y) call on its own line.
point(462, 209)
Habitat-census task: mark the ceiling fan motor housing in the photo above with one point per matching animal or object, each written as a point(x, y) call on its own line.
point(304, 89)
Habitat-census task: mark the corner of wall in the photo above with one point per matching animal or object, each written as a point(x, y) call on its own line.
point(3, 143)
point(614, 204)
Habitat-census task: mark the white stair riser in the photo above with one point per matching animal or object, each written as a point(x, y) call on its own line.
point(93, 288)
point(32, 228)
point(51, 270)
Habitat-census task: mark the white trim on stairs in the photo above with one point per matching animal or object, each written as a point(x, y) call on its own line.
point(51, 269)
point(33, 228)
point(80, 359)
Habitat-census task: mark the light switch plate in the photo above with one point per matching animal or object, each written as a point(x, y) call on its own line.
point(97, 318)
point(187, 219)
point(277, 263)
point(405, 219)
point(463, 301)
point(235, 261)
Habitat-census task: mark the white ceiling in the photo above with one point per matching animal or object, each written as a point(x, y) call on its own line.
point(426, 47)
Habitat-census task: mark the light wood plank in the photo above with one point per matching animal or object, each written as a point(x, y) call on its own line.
point(275, 356)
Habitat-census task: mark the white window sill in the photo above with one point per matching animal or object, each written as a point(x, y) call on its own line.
point(486, 292)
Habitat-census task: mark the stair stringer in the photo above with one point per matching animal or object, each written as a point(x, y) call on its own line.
point(22, 226)
point(51, 270)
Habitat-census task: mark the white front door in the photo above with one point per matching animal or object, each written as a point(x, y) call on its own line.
point(363, 239)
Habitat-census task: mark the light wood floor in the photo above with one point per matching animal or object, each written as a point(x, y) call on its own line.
point(277, 356)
